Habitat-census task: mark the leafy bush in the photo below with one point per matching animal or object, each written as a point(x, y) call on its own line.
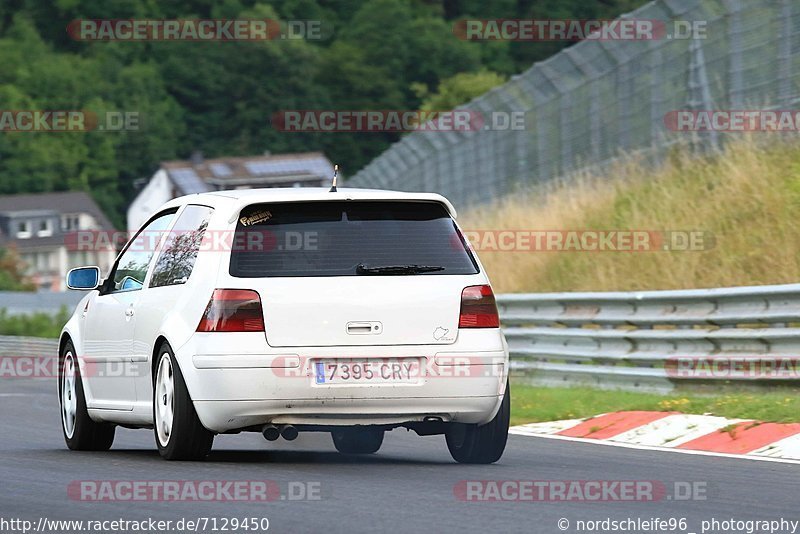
point(12, 272)
point(35, 325)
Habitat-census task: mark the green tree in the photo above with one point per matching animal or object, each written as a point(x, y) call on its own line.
point(458, 89)
point(218, 97)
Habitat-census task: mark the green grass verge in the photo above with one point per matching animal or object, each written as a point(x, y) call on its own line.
point(534, 404)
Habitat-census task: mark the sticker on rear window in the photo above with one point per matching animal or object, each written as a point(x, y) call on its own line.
point(257, 217)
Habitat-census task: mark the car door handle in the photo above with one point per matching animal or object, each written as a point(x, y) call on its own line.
point(129, 312)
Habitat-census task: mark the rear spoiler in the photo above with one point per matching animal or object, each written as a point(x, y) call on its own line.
point(342, 195)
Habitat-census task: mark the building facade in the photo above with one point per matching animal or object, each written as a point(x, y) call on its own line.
point(54, 232)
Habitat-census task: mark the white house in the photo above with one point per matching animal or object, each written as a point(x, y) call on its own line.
point(198, 175)
point(54, 232)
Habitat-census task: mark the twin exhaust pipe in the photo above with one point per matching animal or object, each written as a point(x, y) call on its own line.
point(272, 432)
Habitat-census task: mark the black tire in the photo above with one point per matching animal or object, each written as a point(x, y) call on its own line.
point(187, 438)
point(357, 440)
point(86, 434)
point(481, 444)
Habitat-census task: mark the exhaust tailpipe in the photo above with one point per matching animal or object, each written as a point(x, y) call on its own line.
point(289, 433)
point(271, 432)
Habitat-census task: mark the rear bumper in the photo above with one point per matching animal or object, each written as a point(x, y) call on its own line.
point(221, 416)
point(255, 387)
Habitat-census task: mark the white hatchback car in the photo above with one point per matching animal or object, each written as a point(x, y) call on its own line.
point(289, 310)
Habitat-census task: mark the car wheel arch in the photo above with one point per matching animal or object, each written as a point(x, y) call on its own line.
point(160, 340)
point(62, 342)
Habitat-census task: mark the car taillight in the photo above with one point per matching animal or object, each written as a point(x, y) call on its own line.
point(233, 310)
point(478, 308)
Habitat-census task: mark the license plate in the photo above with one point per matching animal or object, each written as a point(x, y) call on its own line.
point(367, 371)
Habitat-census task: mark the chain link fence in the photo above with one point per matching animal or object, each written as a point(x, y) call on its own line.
point(597, 100)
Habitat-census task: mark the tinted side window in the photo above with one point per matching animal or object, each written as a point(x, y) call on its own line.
point(131, 269)
point(177, 258)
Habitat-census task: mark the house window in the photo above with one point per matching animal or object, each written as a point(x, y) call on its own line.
point(23, 230)
point(70, 223)
point(45, 229)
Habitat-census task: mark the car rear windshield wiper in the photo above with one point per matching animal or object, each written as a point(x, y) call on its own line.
point(397, 269)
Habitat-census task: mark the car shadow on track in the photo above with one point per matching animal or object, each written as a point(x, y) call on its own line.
point(316, 457)
point(266, 457)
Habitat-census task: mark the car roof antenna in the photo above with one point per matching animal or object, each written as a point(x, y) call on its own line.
point(335, 176)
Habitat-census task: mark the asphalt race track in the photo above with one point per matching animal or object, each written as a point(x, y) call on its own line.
point(407, 487)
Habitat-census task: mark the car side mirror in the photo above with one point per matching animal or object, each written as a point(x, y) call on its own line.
point(84, 278)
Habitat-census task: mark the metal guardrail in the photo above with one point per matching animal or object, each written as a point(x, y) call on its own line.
point(43, 351)
point(28, 346)
point(625, 340)
point(631, 340)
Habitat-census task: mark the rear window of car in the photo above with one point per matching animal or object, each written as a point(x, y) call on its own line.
point(334, 238)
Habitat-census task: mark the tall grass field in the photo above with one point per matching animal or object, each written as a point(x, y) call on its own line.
point(746, 199)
